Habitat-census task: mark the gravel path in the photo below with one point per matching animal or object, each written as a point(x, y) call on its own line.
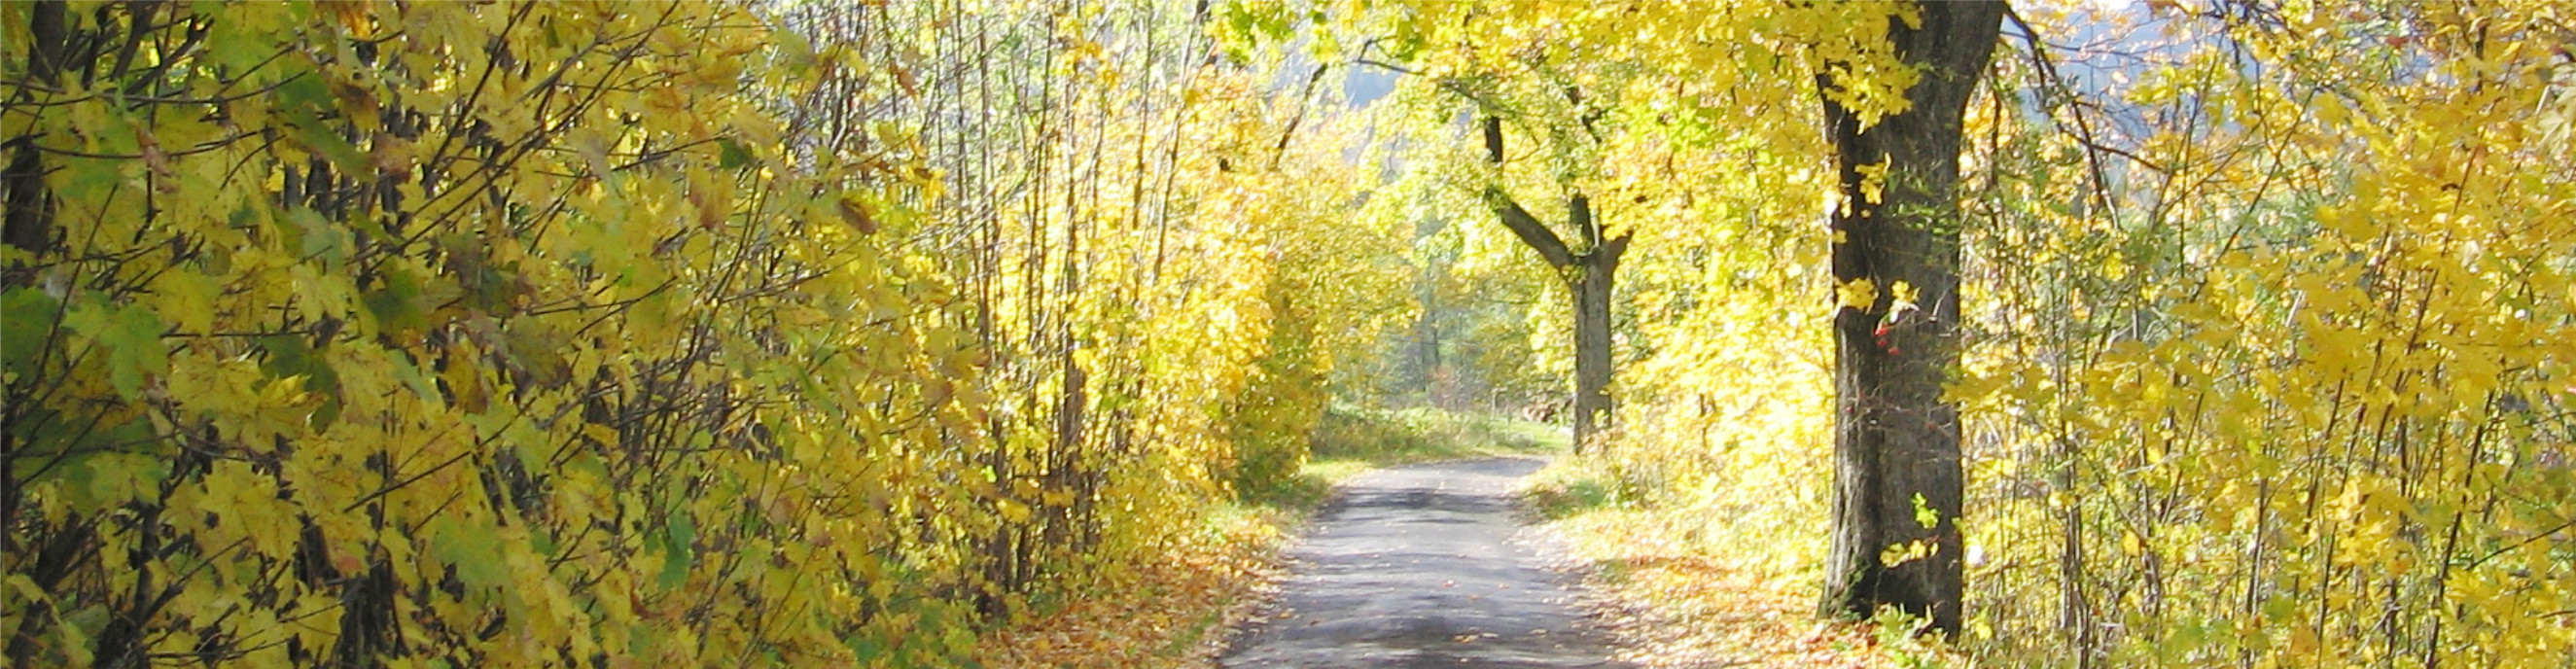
point(1423, 566)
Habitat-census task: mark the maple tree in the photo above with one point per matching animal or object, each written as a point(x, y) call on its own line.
point(2243, 351)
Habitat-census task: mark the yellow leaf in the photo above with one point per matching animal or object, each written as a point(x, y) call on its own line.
point(185, 298)
point(1873, 181)
point(1858, 293)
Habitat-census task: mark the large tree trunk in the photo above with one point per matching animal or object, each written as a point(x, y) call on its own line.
point(1592, 281)
point(1897, 478)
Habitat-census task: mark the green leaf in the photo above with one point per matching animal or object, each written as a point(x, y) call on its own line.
point(32, 316)
point(302, 103)
point(78, 628)
point(132, 336)
point(680, 539)
point(866, 649)
point(112, 479)
point(319, 238)
point(306, 94)
point(469, 547)
point(733, 155)
point(290, 356)
point(396, 305)
point(89, 182)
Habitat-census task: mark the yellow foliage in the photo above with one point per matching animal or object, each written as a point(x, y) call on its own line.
point(2277, 380)
point(549, 334)
point(557, 334)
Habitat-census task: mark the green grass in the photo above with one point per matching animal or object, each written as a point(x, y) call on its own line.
point(1573, 487)
point(1354, 439)
point(1405, 436)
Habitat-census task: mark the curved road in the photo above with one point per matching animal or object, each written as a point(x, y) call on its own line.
point(1423, 566)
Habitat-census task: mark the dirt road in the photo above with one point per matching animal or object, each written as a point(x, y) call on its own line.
point(1423, 566)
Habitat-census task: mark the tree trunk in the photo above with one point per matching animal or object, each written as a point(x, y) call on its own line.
point(1897, 477)
point(1591, 287)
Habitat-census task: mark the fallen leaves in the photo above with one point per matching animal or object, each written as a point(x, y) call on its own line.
point(1173, 612)
point(1676, 604)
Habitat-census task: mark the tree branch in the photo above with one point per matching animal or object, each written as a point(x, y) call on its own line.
point(1453, 85)
point(2082, 130)
point(1528, 228)
point(1305, 99)
point(1523, 225)
point(1578, 215)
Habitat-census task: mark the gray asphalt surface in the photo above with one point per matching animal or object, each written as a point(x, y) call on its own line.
point(1419, 567)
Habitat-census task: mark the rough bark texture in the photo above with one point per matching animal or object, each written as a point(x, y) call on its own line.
point(1589, 271)
point(1592, 283)
point(1896, 444)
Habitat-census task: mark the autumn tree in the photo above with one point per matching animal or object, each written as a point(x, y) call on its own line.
point(1552, 97)
point(1589, 266)
point(1897, 476)
point(1579, 249)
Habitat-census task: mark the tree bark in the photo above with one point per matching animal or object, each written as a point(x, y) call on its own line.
point(1897, 476)
point(1592, 283)
point(1589, 272)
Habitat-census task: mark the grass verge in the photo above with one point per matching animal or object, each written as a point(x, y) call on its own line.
point(1360, 437)
point(1354, 439)
point(1675, 596)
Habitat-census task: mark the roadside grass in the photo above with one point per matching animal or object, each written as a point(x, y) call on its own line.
point(1676, 590)
point(1353, 439)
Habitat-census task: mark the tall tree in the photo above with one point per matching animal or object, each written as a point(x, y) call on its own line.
point(1588, 267)
point(1897, 478)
